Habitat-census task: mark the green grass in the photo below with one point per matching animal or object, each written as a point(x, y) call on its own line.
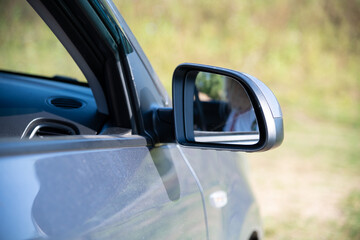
point(308, 188)
point(351, 209)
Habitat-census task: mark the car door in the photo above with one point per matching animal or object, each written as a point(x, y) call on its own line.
point(109, 185)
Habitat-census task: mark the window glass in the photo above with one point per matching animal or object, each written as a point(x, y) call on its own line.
point(28, 46)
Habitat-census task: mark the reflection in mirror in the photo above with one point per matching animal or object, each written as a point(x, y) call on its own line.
point(223, 111)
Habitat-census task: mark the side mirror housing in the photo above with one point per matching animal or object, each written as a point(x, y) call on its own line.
point(220, 108)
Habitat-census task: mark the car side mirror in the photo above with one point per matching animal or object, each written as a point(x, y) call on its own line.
point(224, 109)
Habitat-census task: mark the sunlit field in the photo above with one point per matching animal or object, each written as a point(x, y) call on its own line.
point(307, 52)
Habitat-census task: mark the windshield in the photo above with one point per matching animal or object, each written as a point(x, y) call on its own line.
point(28, 46)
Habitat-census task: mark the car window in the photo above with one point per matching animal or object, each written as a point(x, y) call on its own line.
point(28, 46)
point(43, 93)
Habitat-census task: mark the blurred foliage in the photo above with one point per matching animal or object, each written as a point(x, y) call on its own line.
point(306, 51)
point(27, 45)
point(351, 208)
point(211, 84)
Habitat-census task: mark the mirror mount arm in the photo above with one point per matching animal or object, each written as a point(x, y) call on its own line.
point(163, 121)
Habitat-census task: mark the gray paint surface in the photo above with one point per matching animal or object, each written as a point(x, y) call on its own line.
point(129, 192)
point(225, 171)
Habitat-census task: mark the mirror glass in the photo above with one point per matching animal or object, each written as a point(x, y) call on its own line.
point(223, 112)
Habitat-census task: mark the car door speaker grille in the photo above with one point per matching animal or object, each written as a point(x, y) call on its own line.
point(66, 103)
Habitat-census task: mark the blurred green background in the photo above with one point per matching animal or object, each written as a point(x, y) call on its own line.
point(307, 52)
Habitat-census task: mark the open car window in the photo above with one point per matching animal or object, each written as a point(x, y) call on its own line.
point(28, 46)
point(43, 93)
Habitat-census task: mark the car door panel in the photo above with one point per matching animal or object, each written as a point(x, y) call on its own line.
point(99, 193)
point(225, 171)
